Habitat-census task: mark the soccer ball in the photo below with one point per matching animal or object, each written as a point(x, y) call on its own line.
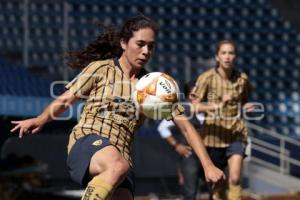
point(155, 94)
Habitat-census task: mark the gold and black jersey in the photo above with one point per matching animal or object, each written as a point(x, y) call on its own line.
point(226, 125)
point(109, 110)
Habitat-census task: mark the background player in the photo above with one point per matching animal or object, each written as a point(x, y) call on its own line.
point(221, 93)
point(189, 166)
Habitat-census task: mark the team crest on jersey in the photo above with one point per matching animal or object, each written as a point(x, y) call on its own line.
point(97, 143)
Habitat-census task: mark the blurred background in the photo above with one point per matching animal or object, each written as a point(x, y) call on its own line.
point(34, 35)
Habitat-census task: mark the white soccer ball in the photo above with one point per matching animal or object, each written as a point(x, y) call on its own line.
point(155, 94)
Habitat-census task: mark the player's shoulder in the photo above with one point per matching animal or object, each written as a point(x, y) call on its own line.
point(243, 75)
point(99, 66)
point(207, 74)
point(103, 63)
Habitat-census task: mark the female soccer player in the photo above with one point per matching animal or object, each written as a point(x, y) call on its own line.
point(99, 150)
point(221, 93)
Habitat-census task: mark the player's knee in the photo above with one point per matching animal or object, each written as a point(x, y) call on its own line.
point(234, 179)
point(118, 168)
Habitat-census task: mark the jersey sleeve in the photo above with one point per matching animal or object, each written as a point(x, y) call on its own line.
point(83, 83)
point(201, 86)
point(164, 128)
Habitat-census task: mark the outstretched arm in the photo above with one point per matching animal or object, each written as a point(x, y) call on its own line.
point(212, 173)
point(165, 132)
point(54, 109)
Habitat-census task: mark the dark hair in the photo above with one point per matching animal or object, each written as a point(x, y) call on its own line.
point(187, 88)
point(107, 44)
point(227, 41)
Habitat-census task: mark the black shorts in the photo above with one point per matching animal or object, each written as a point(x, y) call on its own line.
point(219, 156)
point(80, 156)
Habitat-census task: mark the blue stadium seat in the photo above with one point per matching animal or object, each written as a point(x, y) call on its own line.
point(295, 96)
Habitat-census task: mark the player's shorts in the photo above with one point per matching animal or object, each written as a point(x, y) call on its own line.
point(219, 156)
point(80, 156)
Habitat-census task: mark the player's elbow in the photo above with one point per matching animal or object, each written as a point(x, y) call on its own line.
point(66, 99)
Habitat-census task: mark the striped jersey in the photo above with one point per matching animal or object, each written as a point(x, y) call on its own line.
point(109, 110)
point(226, 125)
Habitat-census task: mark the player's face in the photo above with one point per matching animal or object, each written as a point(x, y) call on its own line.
point(139, 48)
point(226, 56)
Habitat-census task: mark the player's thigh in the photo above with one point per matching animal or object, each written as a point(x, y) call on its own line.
point(106, 158)
point(122, 194)
point(235, 154)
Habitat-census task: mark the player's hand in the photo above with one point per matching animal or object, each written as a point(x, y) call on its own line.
point(226, 98)
point(28, 126)
point(249, 107)
point(214, 175)
point(183, 150)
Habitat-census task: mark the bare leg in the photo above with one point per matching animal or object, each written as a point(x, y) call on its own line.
point(235, 163)
point(108, 168)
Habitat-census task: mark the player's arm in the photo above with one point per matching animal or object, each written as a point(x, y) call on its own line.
point(247, 106)
point(58, 106)
point(200, 106)
point(165, 133)
point(53, 110)
point(212, 173)
point(205, 107)
point(79, 87)
point(199, 94)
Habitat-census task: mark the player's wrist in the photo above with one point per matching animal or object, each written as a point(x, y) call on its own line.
point(221, 105)
point(208, 166)
point(42, 119)
point(217, 106)
point(175, 145)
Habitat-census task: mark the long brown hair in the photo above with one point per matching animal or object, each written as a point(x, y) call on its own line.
point(220, 43)
point(107, 44)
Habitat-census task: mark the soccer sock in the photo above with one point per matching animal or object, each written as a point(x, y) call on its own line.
point(97, 189)
point(235, 192)
point(216, 196)
point(220, 194)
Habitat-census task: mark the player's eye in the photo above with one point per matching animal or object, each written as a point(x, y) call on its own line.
point(140, 44)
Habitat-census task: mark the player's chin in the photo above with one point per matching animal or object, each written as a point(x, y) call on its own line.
point(227, 67)
point(140, 64)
